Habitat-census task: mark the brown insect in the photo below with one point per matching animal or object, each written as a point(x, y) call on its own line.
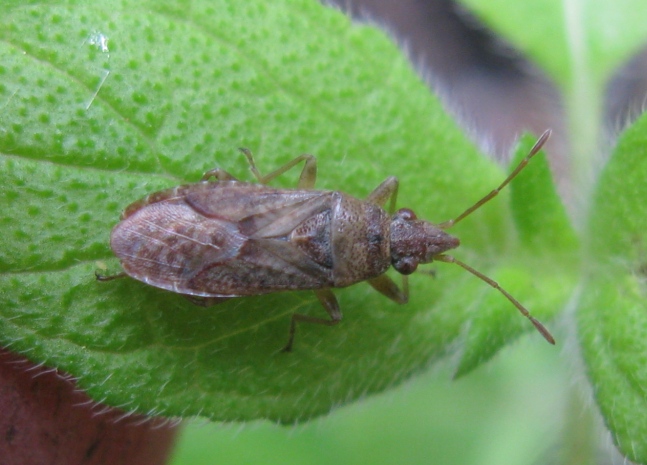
point(213, 241)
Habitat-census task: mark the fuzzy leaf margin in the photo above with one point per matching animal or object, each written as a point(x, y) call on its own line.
point(612, 317)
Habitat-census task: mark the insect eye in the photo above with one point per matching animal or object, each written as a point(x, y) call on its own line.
point(406, 265)
point(406, 214)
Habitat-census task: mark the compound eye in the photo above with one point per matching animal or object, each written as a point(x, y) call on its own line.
point(406, 214)
point(406, 265)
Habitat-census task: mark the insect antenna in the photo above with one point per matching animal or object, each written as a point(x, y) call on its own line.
point(522, 164)
point(540, 327)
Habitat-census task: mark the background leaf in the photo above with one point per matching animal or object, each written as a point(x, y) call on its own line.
point(612, 317)
point(568, 38)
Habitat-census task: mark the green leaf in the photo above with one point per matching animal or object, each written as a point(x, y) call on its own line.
point(103, 103)
point(613, 315)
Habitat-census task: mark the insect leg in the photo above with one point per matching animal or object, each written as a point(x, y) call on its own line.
point(103, 277)
point(387, 287)
point(219, 174)
point(329, 301)
point(522, 164)
point(388, 189)
point(385, 191)
point(540, 327)
point(308, 174)
point(205, 301)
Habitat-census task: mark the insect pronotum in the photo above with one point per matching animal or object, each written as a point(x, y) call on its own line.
point(213, 241)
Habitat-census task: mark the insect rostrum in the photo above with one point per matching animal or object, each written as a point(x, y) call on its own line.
point(224, 238)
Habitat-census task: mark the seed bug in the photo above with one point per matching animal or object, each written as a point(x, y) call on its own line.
point(216, 240)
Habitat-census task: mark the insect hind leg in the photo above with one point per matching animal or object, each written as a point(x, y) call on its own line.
point(308, 175)
point(329, 302)
point(205, 301)
point(219, 174)
point(105, 277)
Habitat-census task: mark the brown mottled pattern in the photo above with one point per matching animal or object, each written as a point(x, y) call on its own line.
point(225, 239)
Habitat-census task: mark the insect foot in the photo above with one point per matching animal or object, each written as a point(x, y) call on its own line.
point(222, 238)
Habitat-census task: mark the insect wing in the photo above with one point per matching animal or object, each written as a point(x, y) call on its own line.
point(261, 267)
point(259, 211)
point(222, 239)
point(165, 244)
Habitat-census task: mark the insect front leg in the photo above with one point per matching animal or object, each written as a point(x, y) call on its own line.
point(385, 191)
point(387, 287)
point(388, 189)
point(329, 302)
point(308, 174)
